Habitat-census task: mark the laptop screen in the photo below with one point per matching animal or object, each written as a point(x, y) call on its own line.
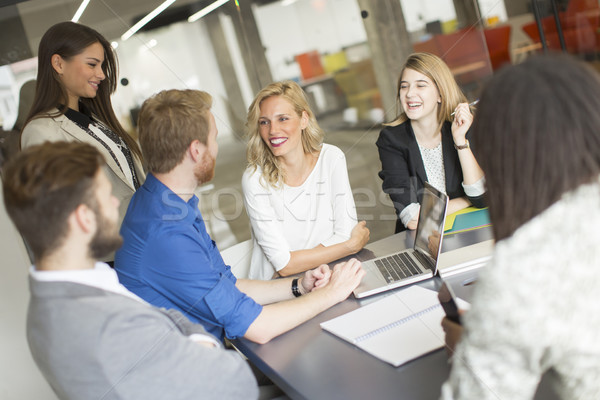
point(430, 227)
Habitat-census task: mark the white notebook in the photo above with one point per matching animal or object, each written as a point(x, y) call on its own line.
point(395, 329)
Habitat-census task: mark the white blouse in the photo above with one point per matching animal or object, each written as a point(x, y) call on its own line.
point(320, 211)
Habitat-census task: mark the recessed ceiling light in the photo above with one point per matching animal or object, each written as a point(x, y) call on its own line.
point(206, 10)
point(146, 19)
point(80, 10)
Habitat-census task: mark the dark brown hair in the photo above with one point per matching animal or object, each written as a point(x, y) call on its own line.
point(43, 185)
point(536, 136)
point(169, 122)
point(68, 39)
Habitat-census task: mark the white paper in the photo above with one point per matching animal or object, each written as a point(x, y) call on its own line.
point(395, 329)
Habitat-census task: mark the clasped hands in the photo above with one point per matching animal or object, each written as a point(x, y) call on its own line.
point(348, 273)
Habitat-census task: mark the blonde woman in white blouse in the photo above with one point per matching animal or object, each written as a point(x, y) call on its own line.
point(296, 188)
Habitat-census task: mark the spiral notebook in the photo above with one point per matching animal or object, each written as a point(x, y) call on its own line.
point(395, 329)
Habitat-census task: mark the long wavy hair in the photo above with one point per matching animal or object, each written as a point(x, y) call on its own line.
point(435, 69)
point(68, 39)
point(257, 152)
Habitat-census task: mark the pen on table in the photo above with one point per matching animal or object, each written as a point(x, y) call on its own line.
point(470, 105)
point(469, 282)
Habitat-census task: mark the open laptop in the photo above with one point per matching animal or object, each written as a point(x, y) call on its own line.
point(410, 265)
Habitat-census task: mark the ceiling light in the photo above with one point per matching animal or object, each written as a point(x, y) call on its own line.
point(146, 19)
point(80, 10)
point(206, 10)
point(114, 44)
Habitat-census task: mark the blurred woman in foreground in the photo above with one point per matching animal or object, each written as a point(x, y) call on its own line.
point(536, 308)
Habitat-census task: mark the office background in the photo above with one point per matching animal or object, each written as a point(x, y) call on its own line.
point(345, 53)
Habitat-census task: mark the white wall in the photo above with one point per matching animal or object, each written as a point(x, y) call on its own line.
point(492, 8)
point(182, 58)
point(12, 77)
point(237, 58)
point(323, 25)
point(418, 13)
point(8, 98)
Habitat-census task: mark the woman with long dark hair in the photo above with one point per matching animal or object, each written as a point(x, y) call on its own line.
point(536, 307)
point(77, 74)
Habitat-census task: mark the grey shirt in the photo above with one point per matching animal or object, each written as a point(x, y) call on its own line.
point(92, 343)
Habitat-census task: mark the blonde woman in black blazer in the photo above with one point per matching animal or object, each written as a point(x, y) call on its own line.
point(428, 141)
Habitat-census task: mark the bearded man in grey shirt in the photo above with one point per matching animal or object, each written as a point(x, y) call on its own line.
point(90, 336)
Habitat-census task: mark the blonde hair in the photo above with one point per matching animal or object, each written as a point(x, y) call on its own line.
point(257, 152)
point(435, 69)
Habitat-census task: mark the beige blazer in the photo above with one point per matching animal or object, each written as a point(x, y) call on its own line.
point(61, 128)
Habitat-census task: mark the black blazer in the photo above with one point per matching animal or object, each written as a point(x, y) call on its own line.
point(403, 172)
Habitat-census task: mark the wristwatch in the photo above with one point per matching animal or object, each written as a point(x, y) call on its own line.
point(295, 290)
point(462, 146)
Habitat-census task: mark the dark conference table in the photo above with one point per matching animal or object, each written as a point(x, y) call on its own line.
point(309, 363)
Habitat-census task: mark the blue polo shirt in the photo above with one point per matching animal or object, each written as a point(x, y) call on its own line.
point(169, 260)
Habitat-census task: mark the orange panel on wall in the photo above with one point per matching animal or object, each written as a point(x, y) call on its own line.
point(310, 64)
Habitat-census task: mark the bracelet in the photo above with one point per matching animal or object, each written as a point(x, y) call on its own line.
point(295, 289)
point(462, 146)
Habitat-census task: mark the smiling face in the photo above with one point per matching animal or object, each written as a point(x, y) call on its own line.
point(281, 127)
point(81, 74)
point(419, 96)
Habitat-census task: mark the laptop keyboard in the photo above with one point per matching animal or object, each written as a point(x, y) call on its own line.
point(397, 267)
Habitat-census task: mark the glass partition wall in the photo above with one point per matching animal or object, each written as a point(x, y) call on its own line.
point(346, 54)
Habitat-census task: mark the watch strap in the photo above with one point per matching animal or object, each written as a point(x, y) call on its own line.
point(462, 146)
point(295, 290)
